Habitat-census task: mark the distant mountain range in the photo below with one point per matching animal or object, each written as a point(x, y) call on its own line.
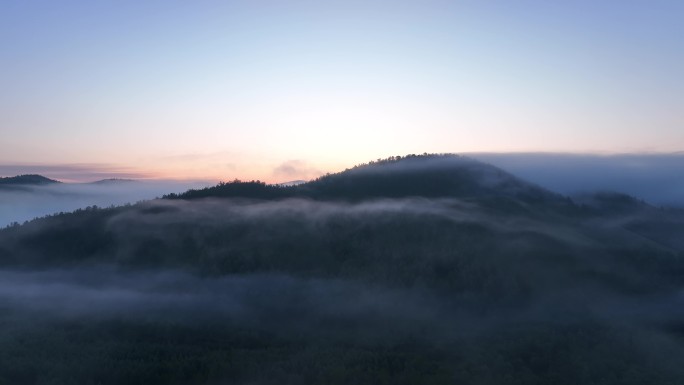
point(40, 180)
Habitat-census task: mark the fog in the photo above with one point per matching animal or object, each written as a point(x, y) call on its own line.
point(22, 203)
point(271, 302)
point(312, 307)
point(657, 179)
point(304, 286)
point(331, 310)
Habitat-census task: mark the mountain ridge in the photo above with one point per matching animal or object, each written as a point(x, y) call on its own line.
point(27, 180)
point(427, 175)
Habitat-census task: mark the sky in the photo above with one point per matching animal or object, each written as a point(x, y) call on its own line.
point(286, 90)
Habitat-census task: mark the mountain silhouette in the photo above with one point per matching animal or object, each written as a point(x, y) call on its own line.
point(428, 176)
point(111, 181)
point(27, 180)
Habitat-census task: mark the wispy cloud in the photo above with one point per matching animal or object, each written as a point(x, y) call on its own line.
point(296, 169)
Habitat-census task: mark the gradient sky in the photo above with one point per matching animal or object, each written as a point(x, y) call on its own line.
point(283, 90)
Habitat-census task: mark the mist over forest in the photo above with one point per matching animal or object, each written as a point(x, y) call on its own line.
point(431, 269)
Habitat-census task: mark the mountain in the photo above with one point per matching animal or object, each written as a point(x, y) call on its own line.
point(418, 269)
point(112, 181)
point(27, 179)
point(428, 176)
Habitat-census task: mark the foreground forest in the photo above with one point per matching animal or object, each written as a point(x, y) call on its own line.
point(430, 269)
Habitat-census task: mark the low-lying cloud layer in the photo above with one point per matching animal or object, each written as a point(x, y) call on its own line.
point(272, 302)
point(312, 306)
point(22, 203)
point(658, 179)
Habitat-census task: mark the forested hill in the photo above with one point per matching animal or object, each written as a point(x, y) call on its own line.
point(27, 179)
point(411, 270)
point(428, 176)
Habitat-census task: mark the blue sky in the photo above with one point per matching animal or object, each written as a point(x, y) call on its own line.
point(220, 89)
